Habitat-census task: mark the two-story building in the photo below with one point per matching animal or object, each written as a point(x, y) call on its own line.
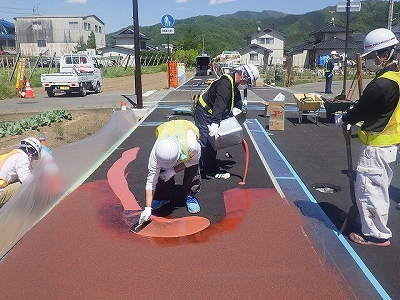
point(56, 34)
point(124, 46)
point(264, 47)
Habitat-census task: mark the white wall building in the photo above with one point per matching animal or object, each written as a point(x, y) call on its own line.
point(56, 34)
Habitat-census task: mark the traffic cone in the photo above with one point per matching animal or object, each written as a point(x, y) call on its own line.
point(123, 105)
point(81, 67)
point(28, 90)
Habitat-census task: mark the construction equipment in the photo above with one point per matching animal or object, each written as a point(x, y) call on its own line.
point(308, 104)
point(353, 211)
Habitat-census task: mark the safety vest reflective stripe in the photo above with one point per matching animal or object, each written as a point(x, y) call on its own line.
point(326, 65)
point(390, 135)
point(203, 103)
point(178, 129)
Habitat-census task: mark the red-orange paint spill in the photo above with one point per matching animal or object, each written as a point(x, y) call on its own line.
point(117, 180)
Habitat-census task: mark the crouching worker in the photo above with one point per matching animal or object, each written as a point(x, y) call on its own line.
point(175, 149)
point(15, 167)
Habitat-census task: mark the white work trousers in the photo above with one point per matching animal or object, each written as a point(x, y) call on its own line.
point(372, 189)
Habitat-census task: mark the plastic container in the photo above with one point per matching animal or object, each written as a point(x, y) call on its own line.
point(231, 133)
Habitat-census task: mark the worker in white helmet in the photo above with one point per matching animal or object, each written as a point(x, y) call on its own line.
point(220, 100)
point(16, 165)
point(176, 149)
point(379, 110)
point(328, 69)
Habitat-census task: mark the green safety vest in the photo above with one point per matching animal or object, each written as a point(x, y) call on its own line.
point(205, 105)
point(390, 135)
point(178, 129)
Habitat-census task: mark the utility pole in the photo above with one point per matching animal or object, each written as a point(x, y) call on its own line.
point(138, 76)
point(390, 15)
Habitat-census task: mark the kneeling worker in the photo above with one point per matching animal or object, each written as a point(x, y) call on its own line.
point(176, 149)
point(15, 167)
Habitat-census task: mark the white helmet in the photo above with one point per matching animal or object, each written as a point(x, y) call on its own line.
point(252, 73)
point(30, 146)
point(378, 39)
point(333, 52)
point(167, 152)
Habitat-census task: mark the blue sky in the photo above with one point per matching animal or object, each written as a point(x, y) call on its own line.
point(117, 14)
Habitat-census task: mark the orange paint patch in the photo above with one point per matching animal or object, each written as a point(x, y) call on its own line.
point(162, 227)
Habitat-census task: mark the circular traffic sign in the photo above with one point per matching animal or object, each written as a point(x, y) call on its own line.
point(167, 21)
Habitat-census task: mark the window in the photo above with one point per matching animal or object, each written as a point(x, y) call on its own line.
point(37, 25)
point(100, 29)
point(41, 43)
point(253, 56)
point(73, 25)
point(86, 26)
point(75, 60)
point(96, 28)
point(265, 41)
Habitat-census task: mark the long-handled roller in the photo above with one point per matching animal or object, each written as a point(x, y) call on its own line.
point(353, 211)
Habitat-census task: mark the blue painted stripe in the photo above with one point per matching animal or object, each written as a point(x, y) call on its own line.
point(281, 170)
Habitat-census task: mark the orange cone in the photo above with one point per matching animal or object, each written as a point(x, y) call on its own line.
point(123, 105)
point(28, 90)
point(81, 67)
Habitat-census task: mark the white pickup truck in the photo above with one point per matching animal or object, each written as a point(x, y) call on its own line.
point(79, 73)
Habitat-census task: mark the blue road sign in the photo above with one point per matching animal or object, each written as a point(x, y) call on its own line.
point(167, 21)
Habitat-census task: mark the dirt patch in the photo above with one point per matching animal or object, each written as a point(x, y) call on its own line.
point(84, 122)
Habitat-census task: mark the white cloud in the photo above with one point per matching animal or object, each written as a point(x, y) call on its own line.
point(76, 1)
point(214, 2)
point(181, 1)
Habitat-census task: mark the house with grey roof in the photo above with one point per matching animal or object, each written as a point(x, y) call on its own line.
point(331, 37)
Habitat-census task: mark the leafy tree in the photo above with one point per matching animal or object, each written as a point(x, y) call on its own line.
point(189, 40)
point(91, 42)
point(188, 57)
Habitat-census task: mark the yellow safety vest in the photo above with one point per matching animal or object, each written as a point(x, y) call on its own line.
point(326, 65)
point(390, 135)
point(203, 103)
point(3, 158)
point(178, 129)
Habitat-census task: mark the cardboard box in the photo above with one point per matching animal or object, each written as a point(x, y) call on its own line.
point(276, 115)
point(231, 133)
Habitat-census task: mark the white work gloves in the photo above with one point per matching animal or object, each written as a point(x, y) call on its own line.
point(214, 130)
point(236, 111)
point(145, 215)
point(339, 122)
point(167, 174)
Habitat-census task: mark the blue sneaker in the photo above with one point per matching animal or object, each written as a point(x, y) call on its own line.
point(157, 203)
point(192, 204)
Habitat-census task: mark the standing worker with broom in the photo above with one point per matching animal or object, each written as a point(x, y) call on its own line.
point(379, 109)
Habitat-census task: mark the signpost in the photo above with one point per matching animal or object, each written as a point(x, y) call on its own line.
point(167, 21)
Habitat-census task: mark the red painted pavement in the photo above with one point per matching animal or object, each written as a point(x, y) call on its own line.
point(83, 250)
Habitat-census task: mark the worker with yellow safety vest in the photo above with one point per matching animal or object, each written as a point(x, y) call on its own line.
point(328, 70)
point(176, 149)
point(218, 101)
point(15, 167)
point(379, 110)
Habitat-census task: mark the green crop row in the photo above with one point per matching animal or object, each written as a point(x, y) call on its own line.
point(34, 122)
